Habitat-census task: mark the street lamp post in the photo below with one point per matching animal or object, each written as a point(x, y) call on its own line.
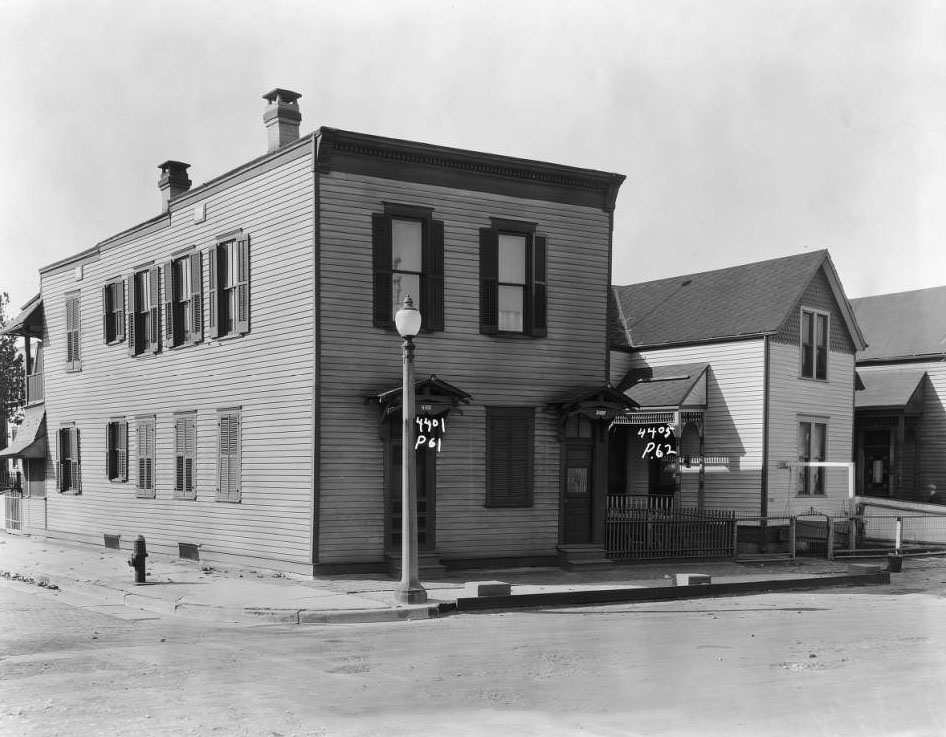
point(409, 590)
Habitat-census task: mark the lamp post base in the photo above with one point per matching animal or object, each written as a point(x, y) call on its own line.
point(410, 594)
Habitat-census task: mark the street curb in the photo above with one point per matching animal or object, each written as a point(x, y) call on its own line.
point(661, 593)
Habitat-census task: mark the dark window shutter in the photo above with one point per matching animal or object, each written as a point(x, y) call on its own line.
point(489, 281)
point(132, 312)
point(179, 430)
point(62, 470)
point(432, 290)
point(213, 292)
point(196, 292)
point(111, 450)
point(154, 314)
point(108, 314)
point(539, 290)
point(242, 318)
point(76, 460)
point(509, 456)
point(123, 451)
point(171, 290)
point(234, 488)
point(381, 264)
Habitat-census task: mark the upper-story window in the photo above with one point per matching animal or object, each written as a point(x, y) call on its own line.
point(73, 324)
point(183, 303)
point(144, 320)
point(814, 344)
point(407, 245)
point(229, 287)
point(113, 311)
point(512, 279)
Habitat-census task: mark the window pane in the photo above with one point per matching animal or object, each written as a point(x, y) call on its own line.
point(510, 308)
point(406, 250)
point(807, 327)
point(822, 330)
point(403, 285)
point(512, 259)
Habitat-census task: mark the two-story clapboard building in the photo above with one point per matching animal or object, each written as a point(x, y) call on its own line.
point(223, 377)
point(753, 365)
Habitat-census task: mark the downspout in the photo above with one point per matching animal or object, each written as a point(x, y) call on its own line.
point(316, 349)
point(764, 498)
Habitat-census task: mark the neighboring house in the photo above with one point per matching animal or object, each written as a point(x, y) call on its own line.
point(754, 367)
point(901, 408)
point(224, 377)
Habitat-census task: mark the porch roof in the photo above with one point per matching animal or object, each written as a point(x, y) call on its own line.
point(30, 320)
point(667, 387)
point(890, 388)
point(30, 439)
point(432, 390)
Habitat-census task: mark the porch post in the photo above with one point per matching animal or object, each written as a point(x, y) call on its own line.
point(599, 479)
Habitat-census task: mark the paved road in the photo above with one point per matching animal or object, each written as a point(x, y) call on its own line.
point(844, 662)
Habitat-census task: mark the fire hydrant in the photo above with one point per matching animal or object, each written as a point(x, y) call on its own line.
point(137, 561)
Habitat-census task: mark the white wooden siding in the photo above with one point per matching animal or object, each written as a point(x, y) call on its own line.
point(359, 360)
point(792, 397)
point(269, 373)
point(732, 424)
point(932, 427)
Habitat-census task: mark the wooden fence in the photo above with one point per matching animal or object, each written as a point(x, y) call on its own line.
point(643, 527)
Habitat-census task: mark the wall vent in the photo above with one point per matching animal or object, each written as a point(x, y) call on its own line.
point(188, 551)
point(113, 542)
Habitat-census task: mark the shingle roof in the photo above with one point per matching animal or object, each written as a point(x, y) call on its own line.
point(903, 325)
point(888, 388)
point(737, 302)
point(752, 299)
point(662, 386)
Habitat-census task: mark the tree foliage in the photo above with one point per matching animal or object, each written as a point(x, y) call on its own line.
point(12, 371)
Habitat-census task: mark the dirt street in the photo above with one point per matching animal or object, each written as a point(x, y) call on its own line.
point(861, 662)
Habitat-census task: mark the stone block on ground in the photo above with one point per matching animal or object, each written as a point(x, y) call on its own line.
point(488, 588)
point(691, 579)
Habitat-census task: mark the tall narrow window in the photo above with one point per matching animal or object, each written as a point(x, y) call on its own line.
point(513, 292)
point(113, 311)
point(185, 450)
point(509, 456)
point(229, 287)
point(116, 461)
point(814, 344)
point(812, 446)
point(144, 317)
point(146, 453)
point(183, 301)
point(407, 249)
point(229, 488)
point(73, 324)
point(69, 466)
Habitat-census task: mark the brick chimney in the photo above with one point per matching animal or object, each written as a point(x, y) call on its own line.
point(282, 118)
point(173, 181)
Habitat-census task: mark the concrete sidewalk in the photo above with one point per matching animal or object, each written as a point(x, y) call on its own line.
point(214, 592)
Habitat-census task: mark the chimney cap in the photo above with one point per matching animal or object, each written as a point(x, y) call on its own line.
point(174, 168)
point(279, 95)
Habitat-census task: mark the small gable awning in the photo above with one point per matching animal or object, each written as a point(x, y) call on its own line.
point(597, 403)
point(677, 387)
point(892, 389)
point(432, 396)
point(30, 441)
point(30, 320)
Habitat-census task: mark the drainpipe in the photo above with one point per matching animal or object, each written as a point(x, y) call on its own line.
point(764, 499)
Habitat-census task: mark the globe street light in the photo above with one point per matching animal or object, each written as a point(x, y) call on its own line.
point(409, 590)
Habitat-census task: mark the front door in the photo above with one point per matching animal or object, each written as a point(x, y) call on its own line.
point(426, 459)
point(576, 492)
point(877, 462)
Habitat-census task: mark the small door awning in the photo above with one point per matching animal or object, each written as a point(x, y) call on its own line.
point(30, 320)
point(30, 441)
point(432, 396)
point(891, 388)
point(602, 402)
point(663, 388)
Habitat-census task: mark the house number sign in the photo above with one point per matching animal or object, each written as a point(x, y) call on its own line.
point(430, 432)
point(654, 447)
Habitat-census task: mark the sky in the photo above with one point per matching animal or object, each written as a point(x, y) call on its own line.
point(747, 129)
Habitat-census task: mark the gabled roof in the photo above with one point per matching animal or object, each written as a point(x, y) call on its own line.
point(738, 302)
point(30, 320)
point(890, 388)
point(665, 387)
point(903, 325)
